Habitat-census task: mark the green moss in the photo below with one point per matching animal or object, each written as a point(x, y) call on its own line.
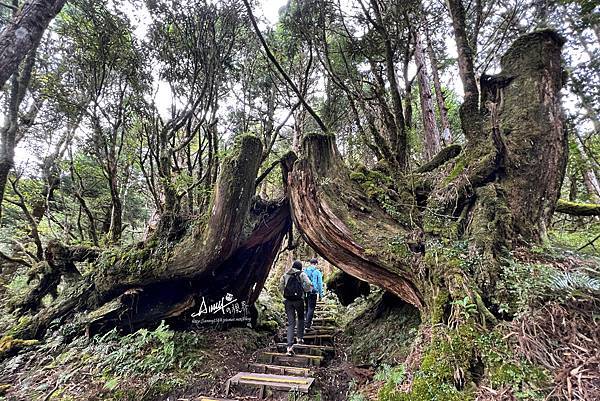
point(447, 358)
point(440, 300)
point(458, 168)
point(451, 360)
point(358, 176)
point(440, 226)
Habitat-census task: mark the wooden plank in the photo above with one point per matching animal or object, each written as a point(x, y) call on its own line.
point(328, 330)
point(319, 339)
point(324, 327)
point(323, 348)
point(313, 357)
point(312, 336)
point(324, 320)
point(280, 382)
point(293, 360)
point(204, 398)
point(284, 370)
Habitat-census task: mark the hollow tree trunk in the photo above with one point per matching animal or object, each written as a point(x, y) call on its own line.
point(230, 253)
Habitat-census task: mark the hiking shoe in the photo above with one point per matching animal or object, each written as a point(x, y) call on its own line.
point(290, 351)
point(300, 341)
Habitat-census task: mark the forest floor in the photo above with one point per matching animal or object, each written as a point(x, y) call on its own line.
point(163, 364)
point(375, 349)
point(146, 365)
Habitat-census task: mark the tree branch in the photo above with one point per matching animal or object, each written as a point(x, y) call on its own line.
point(285, 76)
point(577, 209)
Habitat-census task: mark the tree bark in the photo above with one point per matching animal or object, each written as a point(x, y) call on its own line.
point(430, 130)
point(24, 32)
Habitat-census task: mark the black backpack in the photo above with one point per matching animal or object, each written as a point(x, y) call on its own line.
point(293, 290)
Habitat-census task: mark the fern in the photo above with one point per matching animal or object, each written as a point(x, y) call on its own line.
point(573, 283)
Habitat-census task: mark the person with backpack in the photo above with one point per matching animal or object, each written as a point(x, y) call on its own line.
point(316, 278)
point(294, 284)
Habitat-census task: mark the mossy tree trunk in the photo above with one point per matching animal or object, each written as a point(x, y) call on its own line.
point(230, 251)
point(500, 190)
point(437, 238)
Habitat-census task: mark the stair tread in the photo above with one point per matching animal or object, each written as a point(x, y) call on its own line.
point(206, 398)
point(317, 336)
point(282, 382)
point(286, 369)
point(295, 355)
point(309, 346)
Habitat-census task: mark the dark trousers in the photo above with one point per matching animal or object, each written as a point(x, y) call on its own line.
point(293, 308)
point(311, 304)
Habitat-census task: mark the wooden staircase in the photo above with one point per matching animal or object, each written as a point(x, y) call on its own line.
point(277, 371)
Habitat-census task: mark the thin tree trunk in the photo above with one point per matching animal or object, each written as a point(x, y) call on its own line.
point(430, 129)
point(590, 179)
point(8, 133)
point(399, 140)
point(439, 94)
point(470, 117)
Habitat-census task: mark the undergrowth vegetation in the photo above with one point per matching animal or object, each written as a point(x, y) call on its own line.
point(543, 348)
point(144, 365)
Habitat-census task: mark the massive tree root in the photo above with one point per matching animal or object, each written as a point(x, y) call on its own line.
point(345, 226)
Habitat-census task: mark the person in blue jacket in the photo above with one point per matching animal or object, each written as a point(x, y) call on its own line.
point(316, 278)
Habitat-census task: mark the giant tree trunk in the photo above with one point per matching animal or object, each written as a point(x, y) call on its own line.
point(231, 251)
point(438, 239)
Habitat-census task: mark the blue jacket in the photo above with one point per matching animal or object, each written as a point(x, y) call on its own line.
point(316, 278)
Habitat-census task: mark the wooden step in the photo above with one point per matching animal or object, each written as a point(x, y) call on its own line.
point(279, 369)
point(324, 309)
point(302, 359)
point(323, 319)
point(321, 348)
point(318, 320)
point(277, 382)
point(320, 327)
point(204, 398)
point(321, 330)
point(318, 339)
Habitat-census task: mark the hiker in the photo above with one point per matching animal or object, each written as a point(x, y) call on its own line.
point(294, 284)
point(316, 279)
